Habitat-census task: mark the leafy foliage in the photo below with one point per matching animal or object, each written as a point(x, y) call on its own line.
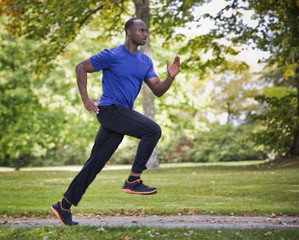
point(56, 125)
point(273, 28)
point(55, 24)
point(220, 143)
point(39, 121)
point(23, 118)
point(278, 120)
point(234, 94)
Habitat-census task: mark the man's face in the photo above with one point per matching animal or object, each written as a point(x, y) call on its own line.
point(138, 32)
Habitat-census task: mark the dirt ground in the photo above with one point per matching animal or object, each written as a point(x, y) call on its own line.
point(194, 221)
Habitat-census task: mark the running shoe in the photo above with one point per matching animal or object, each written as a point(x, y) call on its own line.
point(64, 215)
point(137, 187)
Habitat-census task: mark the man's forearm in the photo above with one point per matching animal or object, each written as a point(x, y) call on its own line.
point(163, 86)
point(81, 76)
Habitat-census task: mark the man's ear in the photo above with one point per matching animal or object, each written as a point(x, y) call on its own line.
point(129, 32)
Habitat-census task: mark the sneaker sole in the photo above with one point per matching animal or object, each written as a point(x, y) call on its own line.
point(57, 215)
point(141, 193)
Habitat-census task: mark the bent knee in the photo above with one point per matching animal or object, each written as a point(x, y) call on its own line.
point(158, 131)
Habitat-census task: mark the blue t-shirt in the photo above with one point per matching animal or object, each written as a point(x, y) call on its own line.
point(123, 74)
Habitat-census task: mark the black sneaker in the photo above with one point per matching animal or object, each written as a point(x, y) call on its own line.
point(137, 187)
point(64, 215)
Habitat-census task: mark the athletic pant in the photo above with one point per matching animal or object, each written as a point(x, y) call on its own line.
point(116, 121)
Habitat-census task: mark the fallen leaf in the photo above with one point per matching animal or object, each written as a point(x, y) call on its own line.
point(134, 221)
point(268, 233)
point(101, 229)
point(192, 212)
point(127, 238)
point(283, 223)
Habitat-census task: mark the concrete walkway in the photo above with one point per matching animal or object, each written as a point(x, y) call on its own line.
point(194, 221)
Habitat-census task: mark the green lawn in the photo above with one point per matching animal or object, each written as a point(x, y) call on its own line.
point(194, 189)
point(135, 233)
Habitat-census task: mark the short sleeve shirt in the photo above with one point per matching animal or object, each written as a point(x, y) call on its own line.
point(123, 74)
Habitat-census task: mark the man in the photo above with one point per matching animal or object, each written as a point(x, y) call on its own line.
point(124, 70)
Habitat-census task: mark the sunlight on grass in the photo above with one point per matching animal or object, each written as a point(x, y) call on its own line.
point(199, 189)
point(120, 166)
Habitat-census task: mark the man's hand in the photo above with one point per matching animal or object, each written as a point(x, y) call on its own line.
point(173, 69)
point(90, 106)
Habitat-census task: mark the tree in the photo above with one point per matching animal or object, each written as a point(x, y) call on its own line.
point(148, 101)
point(56, 23)
point(275, 30)
point(24, 130)
point(233, 94)
point(278, 120)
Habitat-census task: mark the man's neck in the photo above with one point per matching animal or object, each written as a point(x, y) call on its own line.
point(132, 48)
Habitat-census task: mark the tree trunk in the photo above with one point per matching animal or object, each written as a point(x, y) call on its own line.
point(148, 101)
point(17, 164)
point(295, 146)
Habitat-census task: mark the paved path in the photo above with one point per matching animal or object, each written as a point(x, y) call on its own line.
point(168, 222)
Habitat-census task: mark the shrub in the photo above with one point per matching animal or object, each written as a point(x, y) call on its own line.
point(220, 143)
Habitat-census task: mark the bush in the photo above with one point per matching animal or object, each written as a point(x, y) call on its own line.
point(65, 155)
point(278, 122)
point(220, 143)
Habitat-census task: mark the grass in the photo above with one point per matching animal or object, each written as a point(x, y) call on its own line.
point(185, 189)
point(88, 232)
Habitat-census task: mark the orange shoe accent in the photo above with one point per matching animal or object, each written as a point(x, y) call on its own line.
point(68, 210)
point(57, 215)
point(141, 193)
point(138, 180)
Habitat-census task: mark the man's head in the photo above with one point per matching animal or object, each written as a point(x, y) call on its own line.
point(136, 31)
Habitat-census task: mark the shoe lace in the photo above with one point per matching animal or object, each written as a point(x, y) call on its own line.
point(139, 181)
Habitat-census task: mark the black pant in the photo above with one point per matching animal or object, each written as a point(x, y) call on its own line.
point(116, 121)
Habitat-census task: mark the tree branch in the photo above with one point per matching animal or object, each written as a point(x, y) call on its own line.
point(89, 14)
point(120, 6)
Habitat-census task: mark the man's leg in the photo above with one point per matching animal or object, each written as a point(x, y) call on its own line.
point(132, 123)
point(105, 144)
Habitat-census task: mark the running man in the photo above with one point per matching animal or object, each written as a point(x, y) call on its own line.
point(124, 68)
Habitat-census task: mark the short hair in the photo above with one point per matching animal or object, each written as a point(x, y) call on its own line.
point(130, 23)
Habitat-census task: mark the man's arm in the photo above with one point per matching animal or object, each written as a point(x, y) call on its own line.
point(159, 87)
point(82, 69)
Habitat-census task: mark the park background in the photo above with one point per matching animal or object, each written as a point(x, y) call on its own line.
point(234, 99)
